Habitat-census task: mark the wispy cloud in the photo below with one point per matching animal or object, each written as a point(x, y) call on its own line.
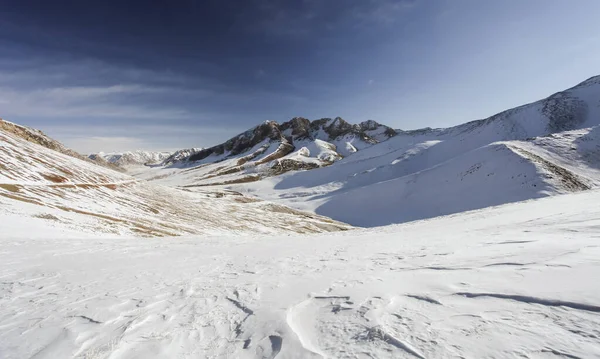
point(93, 102)
point(82, 89)
point(381, 12)
point(307, 17)
point(82, 102)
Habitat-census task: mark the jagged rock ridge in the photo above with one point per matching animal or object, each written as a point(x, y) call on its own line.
point(298, 129)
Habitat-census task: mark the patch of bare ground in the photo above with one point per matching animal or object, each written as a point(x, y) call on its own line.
point(568, 179)
point(134, 226)
point(287, 210)
point(216, 170)
point(246, 199)
point(22, 198)
point(228, 171)
point(46, 216)
point(46, 191)
point(195, 168)
point(234, 181)
point(287, 165)
point(54, 178)
point(39, 160)
point(9, 187)
point(330, 227)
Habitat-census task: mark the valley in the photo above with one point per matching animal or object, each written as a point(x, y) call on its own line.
point(476, 239)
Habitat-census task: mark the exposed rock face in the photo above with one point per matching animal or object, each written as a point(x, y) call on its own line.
point(242, 142)
point(286, 165)
point(300, 127)
point(297, 129)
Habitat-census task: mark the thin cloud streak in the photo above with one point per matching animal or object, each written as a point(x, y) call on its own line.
point(80, 102)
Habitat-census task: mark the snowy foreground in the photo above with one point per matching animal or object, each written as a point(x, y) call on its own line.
point(519, 280)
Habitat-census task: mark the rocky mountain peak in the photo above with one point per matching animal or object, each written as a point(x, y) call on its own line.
point(299, 126)
point(297, 129)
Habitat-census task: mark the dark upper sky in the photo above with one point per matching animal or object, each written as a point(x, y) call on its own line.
point(118, 75)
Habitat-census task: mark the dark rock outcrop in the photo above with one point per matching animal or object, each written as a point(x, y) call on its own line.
point(297, 129)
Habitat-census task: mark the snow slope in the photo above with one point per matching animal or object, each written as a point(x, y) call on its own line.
point(545, 148)
point(518, 280)
point(68, 192)
point(38, 137)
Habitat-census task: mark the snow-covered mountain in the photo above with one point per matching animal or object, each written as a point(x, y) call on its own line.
point(132, 158)
point(342, 137)
point(69, 192)
point(545, 148)
point(271, 149)
point(180, 156)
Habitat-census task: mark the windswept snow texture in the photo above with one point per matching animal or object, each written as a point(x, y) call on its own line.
point(545, 148)
point(515, 281)
point(67, 192)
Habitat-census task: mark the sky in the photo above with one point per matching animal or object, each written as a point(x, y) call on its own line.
point(164, 75)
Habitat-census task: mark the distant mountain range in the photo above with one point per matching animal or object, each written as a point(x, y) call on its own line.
point(369, 174)
point(132, 158)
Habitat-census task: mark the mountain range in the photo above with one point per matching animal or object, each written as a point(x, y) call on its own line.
point(370, 174)
point(131, 158)
point(260, 255)
point(67, 190)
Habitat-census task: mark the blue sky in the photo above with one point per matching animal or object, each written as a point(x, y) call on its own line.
point(122, 75)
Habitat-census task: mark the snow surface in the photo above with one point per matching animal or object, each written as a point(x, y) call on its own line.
point(518, 280)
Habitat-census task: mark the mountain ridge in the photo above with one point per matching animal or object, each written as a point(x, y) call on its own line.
point(298, 128)
point(544, 148)
point(132, 158)
point(40, 138)
point(69, 192)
